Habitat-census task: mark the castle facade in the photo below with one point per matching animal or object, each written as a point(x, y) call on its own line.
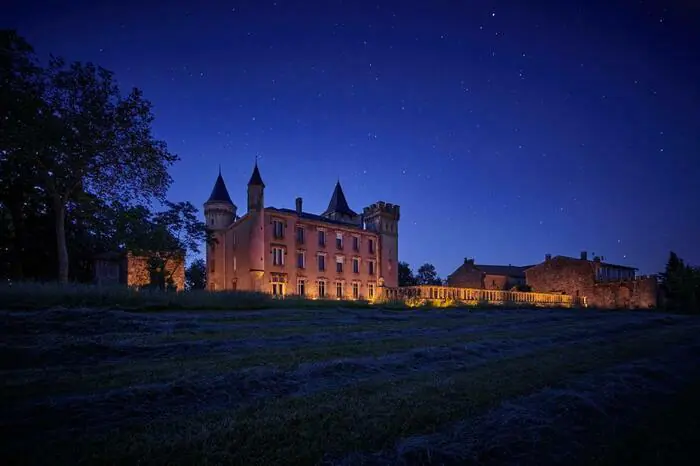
point(337, 254)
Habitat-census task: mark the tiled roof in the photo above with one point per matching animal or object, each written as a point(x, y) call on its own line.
point(316, 218)
point(505, 270)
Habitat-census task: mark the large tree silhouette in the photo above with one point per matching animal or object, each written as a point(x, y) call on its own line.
point(76, 132)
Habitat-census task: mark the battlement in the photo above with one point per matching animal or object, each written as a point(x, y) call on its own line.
point(382, 207)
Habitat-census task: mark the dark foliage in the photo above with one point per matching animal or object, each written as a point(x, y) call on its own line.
point(427, 275)
point(406, 277)
point(680, 286)
point(79, 168)
point(196, 275)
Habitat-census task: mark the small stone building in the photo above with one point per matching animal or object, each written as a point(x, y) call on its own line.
point(127, 268)
point(487, 277)
point(607, 286)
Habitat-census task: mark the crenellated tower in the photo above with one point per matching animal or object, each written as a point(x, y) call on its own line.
point(256, 211)
point(383, 218)
point(219, 213)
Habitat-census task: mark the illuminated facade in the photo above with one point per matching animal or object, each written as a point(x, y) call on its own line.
point(337, 254)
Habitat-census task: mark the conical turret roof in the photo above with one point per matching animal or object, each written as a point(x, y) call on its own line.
point(255, 178)
point(220, 193)
point(338, 203)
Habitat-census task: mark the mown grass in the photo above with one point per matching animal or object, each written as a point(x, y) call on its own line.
point(669, 435)
point(285, 386)
point(132, 373)
point(364, 417)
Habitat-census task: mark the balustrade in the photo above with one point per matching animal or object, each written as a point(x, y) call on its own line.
point(445, 293)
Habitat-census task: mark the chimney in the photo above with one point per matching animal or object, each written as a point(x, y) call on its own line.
point(584, 255)
point(547, 257)
point(298, 203)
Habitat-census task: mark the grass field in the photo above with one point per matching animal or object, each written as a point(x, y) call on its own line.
point(349, 386)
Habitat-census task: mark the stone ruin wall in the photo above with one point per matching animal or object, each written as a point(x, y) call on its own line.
point(138, 274)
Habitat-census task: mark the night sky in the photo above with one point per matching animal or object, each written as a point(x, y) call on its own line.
point(504, 130)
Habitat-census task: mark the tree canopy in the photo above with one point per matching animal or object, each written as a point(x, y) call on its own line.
point(426, 275)
point(680, 285)
point(79, 165)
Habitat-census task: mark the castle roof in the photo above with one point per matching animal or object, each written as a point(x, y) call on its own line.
point(503, 270)
point(513, 271)
point(338, 203)
point(220, 193)
point(255, 178)
point(316, 218)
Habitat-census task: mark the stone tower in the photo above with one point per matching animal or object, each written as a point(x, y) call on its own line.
point(256, 211)
point(384, 219)
point(220, 213)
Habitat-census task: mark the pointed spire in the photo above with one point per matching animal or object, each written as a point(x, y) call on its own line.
point(255, 178)
point(338, 202)
point(220, 193)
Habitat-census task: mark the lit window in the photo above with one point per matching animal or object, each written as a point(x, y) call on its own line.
point(339, 289)
point(278, 229)
point(277, 256)
point(278, 289)
point(339, 264)
point(355, 291)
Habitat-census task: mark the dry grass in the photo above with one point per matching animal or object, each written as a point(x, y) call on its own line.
point(337, 386)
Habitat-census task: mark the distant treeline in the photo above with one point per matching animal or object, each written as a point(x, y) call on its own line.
point(680, 286)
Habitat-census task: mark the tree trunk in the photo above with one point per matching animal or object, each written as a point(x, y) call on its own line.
point(18, 240)
point(60, 211)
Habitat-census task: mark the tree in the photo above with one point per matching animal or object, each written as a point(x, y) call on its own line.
point(427, 275)
point(406, 277)
point(680, 284)
point(85, 137)
point(20, 104)
point(196, 275)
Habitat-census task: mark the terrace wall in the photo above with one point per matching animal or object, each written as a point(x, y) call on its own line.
point(443, 294)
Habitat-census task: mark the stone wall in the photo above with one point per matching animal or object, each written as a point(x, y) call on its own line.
point(576, 277)
point(139, 275)
point(497, 282)
point(640, 293)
